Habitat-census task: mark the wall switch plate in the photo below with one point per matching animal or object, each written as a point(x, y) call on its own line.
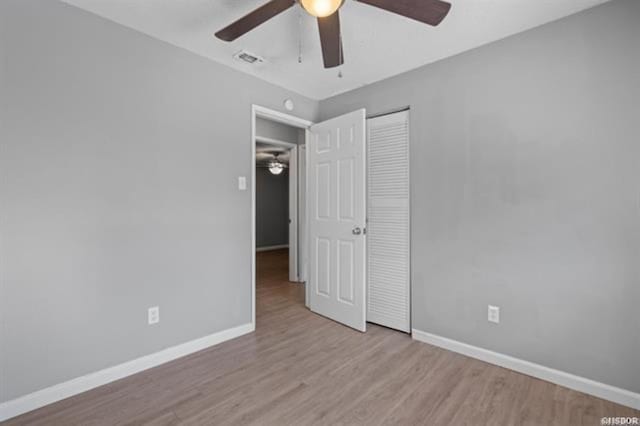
point(153, 315)
point(493, 314)
point(242, 183)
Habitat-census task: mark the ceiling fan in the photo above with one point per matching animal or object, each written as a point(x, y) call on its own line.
point(430, 12)
point(274, 164)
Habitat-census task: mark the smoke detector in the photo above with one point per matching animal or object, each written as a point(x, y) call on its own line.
point(249, 58)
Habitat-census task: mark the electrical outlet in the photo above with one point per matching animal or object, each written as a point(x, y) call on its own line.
point(493, 314)
point(153, 315)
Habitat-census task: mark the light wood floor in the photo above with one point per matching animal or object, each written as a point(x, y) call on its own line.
point(299, 368)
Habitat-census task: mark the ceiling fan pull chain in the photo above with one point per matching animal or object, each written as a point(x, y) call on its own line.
point(341, 56)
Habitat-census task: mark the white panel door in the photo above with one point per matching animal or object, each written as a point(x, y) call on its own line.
point(388, 241)
point(336, 178)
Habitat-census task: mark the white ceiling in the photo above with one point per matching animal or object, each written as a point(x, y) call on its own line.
point(377, 44)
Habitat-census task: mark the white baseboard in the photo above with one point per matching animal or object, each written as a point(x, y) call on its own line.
point(81, 384)
point(571, 381)
point(269, 248)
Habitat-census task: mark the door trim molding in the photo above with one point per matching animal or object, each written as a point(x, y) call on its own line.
point(292, 211)
point(60, 391)
point(567, 380)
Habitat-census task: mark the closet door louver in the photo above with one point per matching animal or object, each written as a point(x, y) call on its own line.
point(388, 206)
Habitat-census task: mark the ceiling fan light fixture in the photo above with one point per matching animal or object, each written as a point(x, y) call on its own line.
point(321, 8)
point(276, 167)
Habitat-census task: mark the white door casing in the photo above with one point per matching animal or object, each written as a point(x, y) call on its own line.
point(307, 251)
point(293, 215)
point(303, 253)
point(336, 183)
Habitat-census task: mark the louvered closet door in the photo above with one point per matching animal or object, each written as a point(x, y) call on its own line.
point(389, 300)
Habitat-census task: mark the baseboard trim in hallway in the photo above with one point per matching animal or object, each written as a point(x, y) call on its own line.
point(81, 384)
point(571, 381)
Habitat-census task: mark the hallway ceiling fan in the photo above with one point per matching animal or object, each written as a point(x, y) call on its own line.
point(430, 12)
point(276, 167)
point(274, 164)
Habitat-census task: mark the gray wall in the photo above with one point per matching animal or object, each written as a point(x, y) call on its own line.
point(272, 208)
point(278, 131)
point(118, 191)
point(525, 167)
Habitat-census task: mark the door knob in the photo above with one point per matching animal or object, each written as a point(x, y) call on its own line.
point(356, 231)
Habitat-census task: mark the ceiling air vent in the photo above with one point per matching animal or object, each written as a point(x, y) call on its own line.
point(247, 57)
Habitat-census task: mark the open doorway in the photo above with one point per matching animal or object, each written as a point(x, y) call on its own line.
point(276, 236)
point(272, 197)
point(279, 213)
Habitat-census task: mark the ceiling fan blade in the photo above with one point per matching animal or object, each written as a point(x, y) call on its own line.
point(253, 19)
point(331, 40)
point(430, 12)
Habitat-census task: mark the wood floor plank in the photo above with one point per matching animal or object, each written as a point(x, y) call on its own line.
point(299, 368)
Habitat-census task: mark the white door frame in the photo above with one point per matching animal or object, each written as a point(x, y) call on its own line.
point(303, 224)
point(280, 117)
